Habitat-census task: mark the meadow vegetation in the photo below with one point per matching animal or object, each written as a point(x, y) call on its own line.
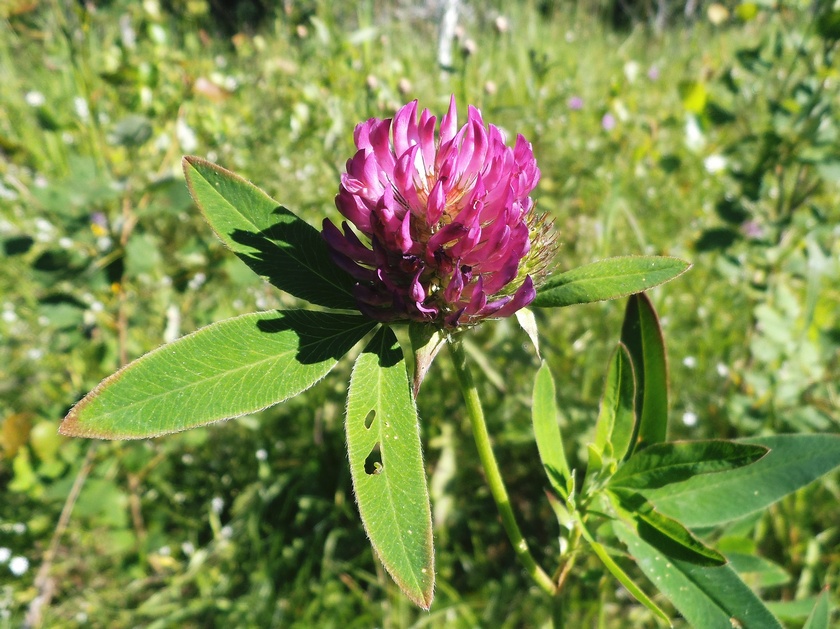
point(718, 143)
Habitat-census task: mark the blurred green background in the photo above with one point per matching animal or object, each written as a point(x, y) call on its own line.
point(704, 131)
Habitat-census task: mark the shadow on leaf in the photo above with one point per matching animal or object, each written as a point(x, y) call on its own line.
point(321, 335)
point(293, 257)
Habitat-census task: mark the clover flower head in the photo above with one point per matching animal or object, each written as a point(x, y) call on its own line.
point(441, 225)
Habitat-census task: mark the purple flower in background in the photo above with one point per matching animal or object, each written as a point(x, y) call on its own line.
point(447, 232)
point(608, 122)
point(575, 103)
point(653, 73)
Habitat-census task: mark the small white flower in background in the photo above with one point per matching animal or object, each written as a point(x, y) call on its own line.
point(217, 504)
point(226, 532)
point(694, 138)
point(19, 565)
point(65, 243)
point(186, 136)
point(43, 225)
point(5, 554)
point(197, 281)
point(104, 243)
point(81, 107)
point(714, 163)
point(689, 418)
point(188, 548)
point(187, 459)
point(34, 99)
point(262, 454)
point(162, 142)
point(164, 551)
point(35, 353)
point(631, 70)
point(690, 362)
point(7, 194)
point(722, 370)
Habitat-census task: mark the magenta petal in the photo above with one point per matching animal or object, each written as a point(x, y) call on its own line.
point(452, 292)
point(524, 295)
point(446, 214)
point(436, 204)
point(405, 128)
point(449, 122)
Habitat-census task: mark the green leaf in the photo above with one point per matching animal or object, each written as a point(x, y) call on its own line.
point(608, 279)
point(224, 370)
point(642, 336)
point(666, 534)
point(820, 615)
point(270, 239)
point(386, 464)
point(792, 462)
point(708, 597)
point(627, 582)
point(544, 414)
point(758, 572)
point(617, 417)
point(665, 463)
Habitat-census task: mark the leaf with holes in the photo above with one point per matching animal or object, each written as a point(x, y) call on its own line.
point(386, 464)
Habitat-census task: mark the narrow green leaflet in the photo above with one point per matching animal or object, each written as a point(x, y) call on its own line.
point(708, 597)
point(666, 534)
point(642, 336)
point(546, 429)
point(386, 464)
point(270, 239)
point(627, 582)
point(617, 417)
point(224, 370)
point(821, 614)
point(792, 462)
point(758, 572)
point(608, 279)
point(665, 463)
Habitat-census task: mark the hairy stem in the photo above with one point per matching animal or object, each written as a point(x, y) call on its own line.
point(491, 468)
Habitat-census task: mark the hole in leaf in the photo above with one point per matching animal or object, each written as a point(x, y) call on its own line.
point(369, 418)
point(373, 462)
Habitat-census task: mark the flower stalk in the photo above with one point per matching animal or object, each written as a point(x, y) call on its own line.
point(491, 468)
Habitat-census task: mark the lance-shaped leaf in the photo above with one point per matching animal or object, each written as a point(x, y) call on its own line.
point(270, 239)
point(666, 534)
point(386, 464)
point(623, 578)
point(642, 336)
point(708, 597)
point(608, 279)
point(617, 417)
point(547, 430)
point(665, 463)
point(820, 616)
point(792, 462)
point(227, 369)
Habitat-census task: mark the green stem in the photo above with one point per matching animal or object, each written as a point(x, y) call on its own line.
point(491, 468)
